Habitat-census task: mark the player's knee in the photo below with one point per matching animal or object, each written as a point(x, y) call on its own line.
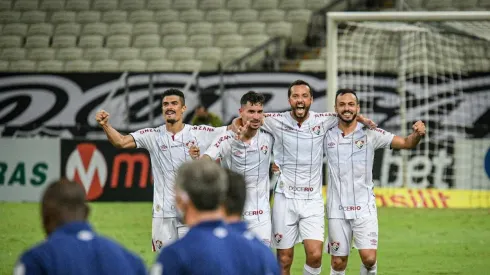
point(369, 261)
point(314, 258)
point(285, 259)
point(339, 263)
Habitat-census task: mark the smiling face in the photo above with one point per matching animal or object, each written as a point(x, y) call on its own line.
point(253, 113)
point(347, 107)
point(300, 101)
point(172, 108)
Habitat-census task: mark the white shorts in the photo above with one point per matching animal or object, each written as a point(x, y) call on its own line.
point(165, 231)
point(295, 220)
point(262, 230)
point(341, 232)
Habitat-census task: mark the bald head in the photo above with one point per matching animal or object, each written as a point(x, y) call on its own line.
point(63, 202)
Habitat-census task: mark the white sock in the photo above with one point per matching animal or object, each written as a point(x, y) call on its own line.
point(372, 271)
point(308, 270)
point(334, 272)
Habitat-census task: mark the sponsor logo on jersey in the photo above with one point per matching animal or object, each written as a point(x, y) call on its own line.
point(278, 237)
point(272, 114)
point(359, 143)
point(238, 153)
point(374, 242)
point(163, 147)
point(264, 149)
point(325, 114)
point(148, 130)
point(301, 189)
point(203, 128)
point(253, 212)
point(335, 246)
point(331, 144)
point(221, 139)
point(316, 129)
point(379, 130)
point(350, 208)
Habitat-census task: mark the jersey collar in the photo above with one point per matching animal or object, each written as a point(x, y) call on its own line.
point(73, 228)
point(240, 227)
point(359, 127)
point(295, 122)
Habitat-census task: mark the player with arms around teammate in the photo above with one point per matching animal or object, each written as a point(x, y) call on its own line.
point(210, 246)
point(351, 204)
point(169, 146)
point(250, 156)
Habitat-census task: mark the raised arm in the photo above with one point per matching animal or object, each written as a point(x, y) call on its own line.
point(412, 140)
point(114, 137)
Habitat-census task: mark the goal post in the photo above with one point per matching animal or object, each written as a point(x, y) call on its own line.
point(417, 66)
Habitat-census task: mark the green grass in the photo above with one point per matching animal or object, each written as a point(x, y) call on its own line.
point(412, 241)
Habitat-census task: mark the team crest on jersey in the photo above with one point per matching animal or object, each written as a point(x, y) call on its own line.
point(189, 144)
point(278, 237)
point(335, 246)
point(163, 147)
point(316, 129)
point(264, 149)
point(359, 143)
point(238, 153)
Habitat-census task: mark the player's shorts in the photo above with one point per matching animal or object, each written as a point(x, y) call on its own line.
point(364, 231)
point(166, 231)
point(262, 230)
point(295, 220)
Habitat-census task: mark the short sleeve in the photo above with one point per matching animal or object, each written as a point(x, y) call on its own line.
point(168, 263)
point(381, 138)
point(206, 134)
point(328, 120)
point(270, 122)
point(216, 149)
point(27, 265)
point(143, 138)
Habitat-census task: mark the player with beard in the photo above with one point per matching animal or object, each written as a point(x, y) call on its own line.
point(351, 208)
point(298, 211)
point(169, 146)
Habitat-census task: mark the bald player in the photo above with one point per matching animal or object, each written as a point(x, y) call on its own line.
point(72, 247)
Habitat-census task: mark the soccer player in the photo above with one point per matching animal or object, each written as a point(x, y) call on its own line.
point(234, 206)
point(169, 146)
point(210, 246)
point(250, 156)
point(351, 205)
point(72, 247)
point(298, 212)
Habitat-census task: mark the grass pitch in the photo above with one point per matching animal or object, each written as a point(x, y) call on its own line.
point(411, 241)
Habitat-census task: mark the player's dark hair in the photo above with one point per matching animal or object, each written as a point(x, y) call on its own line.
point(67, 196)
point(252, 97)
point(346, 91)
point(297, 83)
point(202, 106)
point(176, 92)
point(236, 195)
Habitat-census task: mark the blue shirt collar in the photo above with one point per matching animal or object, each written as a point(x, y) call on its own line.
point(210, 224)
point(240, 227)
point(72, 228)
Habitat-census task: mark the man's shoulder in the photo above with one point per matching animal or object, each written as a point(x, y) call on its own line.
point(277, 115)
point(201, 128)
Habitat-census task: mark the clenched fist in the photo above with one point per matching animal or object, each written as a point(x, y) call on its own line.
point(102, 117)
point(419, 128)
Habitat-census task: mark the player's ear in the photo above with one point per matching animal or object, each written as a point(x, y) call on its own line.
point(184, 108)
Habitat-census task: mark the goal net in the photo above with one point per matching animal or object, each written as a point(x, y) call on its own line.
point(419, 66)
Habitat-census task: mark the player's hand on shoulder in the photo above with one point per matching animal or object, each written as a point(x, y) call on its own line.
point(366, 121)
point(419, 128)
point(102, 117)
point(194, 152)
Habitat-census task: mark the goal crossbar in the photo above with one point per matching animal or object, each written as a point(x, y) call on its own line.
point(333, 18)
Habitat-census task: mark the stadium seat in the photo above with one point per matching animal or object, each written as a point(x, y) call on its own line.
point(139, 16)
point(298, 16)
point(164, 16)
point(77, 5)
point(52, 5)
point(13, 54)
point(91, 41)
point(50, 66)
point(466, 5)
point(158, 4)
point(15, 29)
point(96, 54)
point(184, 4)
point(95, 28)
point(132, 5)
point(77, 66)
point(11, 41)
point(292, 4)
point(181, 53)
point(312, 65)
point(187, 65)
point(254, 40)
point(209, 57)
point(41, 54)
point(153, 53)
point(215, 16)
point(66, 54)
point(174, 41)
point(271, 15)
point(106, 65)
point(191, 16)
point(41, 28)
point(68, 29)
point(5, 6)
point(228, 41)
point(7, 17)
point(484, 3)
point(160, 65)
point(85, 17)
point(32, 17)
point(265, 4)
point(145, 28)
point(314, 5)
point(22, 66)
point(25, 5)
point(211, 4)
point(146, 41)
point(37, 41)
point(245, 16)
point(59, 17)
point(230, 54)
point(120, 28)
point(200, 41)
point(200, 28)
point(239, 4)
point(134, 65)
point(125, 54)
point(252, 28)
point(118, 41)
point(104, 5)
point(114, 16)
point(173, 28)
point(279, 29)
point(4, 65)
point(225, 28)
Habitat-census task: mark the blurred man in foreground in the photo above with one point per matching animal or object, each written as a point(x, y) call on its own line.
point(72, 247)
